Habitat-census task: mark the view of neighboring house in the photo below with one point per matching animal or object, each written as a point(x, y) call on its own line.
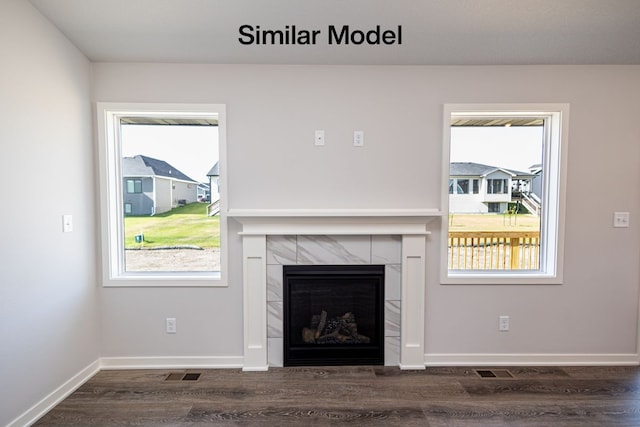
point(214, 186)
point(204, 192)
point(478, 188)
point(536, 182)
point(152, 186)
point(214, 181)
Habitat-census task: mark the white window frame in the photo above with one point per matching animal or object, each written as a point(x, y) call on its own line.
point(552, 221)
point(111, 189)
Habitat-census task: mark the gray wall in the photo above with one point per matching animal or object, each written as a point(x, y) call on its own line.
point(49, 313)
point(272, 113)
point(56, 320)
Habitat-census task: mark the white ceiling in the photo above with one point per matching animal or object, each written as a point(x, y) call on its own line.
point(434, 32)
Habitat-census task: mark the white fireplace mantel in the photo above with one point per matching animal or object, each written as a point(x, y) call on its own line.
point(323, 213)
point(410, 224)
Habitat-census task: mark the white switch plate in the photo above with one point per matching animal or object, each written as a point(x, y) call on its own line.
point(319, 140)
point(358, 138)
point(172, 325)
point(67, 223)
point(621, 219)
point(504, 323)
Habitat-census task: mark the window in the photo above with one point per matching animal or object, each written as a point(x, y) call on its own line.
point(134, 186)
point(156, 230)
point(497, 186)
point(463, 186)
point(511, 231)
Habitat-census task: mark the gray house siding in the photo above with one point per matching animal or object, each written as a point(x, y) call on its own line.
point(152, 186)
point(164, 195)
point(139, 203)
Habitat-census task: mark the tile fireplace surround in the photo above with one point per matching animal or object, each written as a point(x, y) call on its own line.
point(394, 238)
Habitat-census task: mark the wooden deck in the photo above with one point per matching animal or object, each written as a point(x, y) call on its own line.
point(494, 250)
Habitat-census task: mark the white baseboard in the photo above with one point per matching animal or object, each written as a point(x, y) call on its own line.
point(58, 395)
point(39, 409)
point(436, 359)
point(411, 367)
point(186, 362)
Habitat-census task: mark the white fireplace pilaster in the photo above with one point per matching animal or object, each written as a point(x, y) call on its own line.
point(410, 225)
point(254, 254)
point(413, 294)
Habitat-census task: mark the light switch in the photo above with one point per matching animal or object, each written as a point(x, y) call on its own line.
point(358, 138)
point(319, 138)
point(621, 219)
point(67, 223)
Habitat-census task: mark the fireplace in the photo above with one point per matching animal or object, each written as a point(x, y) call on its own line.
point(272, 239)
point(333, 315)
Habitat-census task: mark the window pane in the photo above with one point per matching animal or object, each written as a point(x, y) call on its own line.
point(495, 229)
point(167, 227)
point(463, 186)
point(491, 186)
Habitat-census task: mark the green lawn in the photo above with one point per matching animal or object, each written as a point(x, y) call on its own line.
point(183, 226)
point(493, 222)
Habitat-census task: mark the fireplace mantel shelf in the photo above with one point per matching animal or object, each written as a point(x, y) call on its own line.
point(333, 213)
point(334, 221)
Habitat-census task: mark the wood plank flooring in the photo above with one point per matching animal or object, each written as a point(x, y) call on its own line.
point(385, 396)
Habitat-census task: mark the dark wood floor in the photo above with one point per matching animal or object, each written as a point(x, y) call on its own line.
point(548, 396)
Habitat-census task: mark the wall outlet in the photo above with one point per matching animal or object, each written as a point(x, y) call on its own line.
point(171, 325)
point(503, 323)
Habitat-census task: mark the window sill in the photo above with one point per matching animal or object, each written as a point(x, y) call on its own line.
point(500, 278)
point(160, 280)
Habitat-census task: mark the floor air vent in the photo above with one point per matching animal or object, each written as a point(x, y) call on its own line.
point(494, 373)
point(191, 377)
point(181, 376)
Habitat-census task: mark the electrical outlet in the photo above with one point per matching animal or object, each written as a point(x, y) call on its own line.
point(171, 325)
point(503, 323)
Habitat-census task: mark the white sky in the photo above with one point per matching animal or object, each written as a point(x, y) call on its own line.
point(193, 150)
point(515, 148)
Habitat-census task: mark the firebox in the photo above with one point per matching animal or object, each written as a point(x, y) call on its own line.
point(333, 315)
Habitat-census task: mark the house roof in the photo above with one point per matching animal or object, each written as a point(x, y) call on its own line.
point(478, 169)
point(148, 166)
point(215, 170)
